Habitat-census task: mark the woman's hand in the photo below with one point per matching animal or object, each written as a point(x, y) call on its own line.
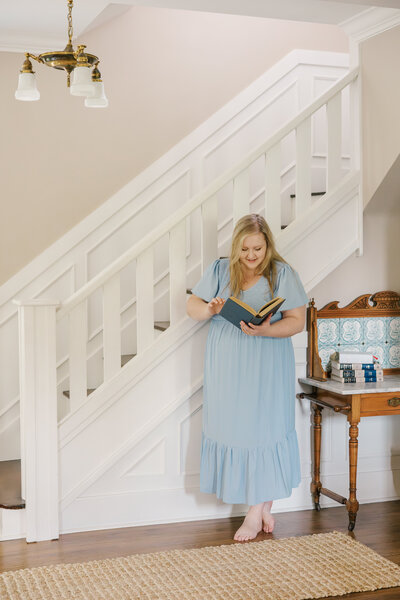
point(292, 322)
point(215, 305)
point(264, 329)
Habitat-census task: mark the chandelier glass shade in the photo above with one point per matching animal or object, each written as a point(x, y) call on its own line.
point(99, 99)
point(82, 84)
point(83, 76)
point(27, 89)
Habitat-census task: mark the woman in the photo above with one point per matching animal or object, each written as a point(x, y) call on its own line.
point(249, 444)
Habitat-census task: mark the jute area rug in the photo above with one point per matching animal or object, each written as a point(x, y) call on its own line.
point(296, 568)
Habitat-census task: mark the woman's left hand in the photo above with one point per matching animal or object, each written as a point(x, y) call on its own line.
point(262, 330)
point(292, 322)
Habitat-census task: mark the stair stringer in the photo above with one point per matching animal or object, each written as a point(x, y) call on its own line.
point(154, 385)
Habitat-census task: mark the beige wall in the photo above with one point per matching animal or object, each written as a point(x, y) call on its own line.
point(379, 267)
point(165, 72)
point(381, 102)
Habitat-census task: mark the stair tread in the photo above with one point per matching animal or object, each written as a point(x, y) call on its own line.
point(312, 194)
point(10, 485)
point(126, 358)
point(161, 325)
point(89, 391)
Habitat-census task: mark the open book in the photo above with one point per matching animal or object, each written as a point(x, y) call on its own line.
point(235, 310)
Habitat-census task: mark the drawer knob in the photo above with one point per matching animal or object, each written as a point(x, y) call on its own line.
point(394, 401)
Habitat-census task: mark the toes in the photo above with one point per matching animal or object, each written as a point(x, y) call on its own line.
point(269, 526)
point(243, 537)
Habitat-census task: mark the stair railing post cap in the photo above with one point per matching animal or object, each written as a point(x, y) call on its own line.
point(37, 302)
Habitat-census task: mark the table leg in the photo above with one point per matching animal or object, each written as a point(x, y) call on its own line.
point(316, 484)
point(352, 503)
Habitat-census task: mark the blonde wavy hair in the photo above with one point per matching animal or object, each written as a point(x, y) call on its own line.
point(249, 225)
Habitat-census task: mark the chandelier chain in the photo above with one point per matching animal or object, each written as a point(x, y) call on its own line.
point(70, 29)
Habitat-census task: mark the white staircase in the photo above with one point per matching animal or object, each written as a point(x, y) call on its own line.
point(102, 460)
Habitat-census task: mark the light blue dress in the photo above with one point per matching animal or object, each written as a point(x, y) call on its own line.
point(249, 448)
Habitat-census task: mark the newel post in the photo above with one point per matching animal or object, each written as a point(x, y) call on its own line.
point(38, 413)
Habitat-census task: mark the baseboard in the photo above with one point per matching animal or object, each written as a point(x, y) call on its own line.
point(180, 505)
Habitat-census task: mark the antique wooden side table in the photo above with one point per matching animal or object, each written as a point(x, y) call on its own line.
point(356, 400)
point(368, 324)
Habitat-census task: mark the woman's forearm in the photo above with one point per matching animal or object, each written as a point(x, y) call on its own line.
point(197, 308)
point(286, 327)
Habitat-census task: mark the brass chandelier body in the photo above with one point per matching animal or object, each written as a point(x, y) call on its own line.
point(66, 59)
point(86, 80)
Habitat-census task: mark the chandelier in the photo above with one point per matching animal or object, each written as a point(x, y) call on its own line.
point(83, 76)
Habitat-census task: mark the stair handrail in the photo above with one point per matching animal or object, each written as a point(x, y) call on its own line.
point(198, 199)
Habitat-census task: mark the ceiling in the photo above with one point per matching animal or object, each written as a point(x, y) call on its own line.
point(42, 24)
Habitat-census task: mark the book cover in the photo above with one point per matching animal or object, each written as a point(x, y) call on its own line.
point(353, 357)
point(357, 379)
point(373, 373)
point(235, 310)
point(356, 366)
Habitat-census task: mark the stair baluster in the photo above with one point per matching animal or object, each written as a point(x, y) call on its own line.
point(77, 355)
point(272, 194)
point(334, 141)
point(177, 272)
point(241, 195)
point(112, 327)
point(145, 299)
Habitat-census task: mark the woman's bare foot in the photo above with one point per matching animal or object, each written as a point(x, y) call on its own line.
point(252, 524)
point(267, 519)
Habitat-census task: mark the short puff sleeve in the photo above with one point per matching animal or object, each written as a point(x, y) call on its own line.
point(289, 286)
point(208, 286)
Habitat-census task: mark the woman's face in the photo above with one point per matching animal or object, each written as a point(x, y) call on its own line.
point(253, 251)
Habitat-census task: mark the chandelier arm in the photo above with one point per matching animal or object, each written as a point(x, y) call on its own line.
point(37, 58)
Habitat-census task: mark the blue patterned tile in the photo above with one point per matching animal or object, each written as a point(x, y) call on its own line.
point(328, 332)
point(325, 354)
point(351, 331)
point(375, 331)
point(393, 329)
point(380, 351)
point(351, 348)
point(393, 356)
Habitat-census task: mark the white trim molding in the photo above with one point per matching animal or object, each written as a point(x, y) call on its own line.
point(370, 22)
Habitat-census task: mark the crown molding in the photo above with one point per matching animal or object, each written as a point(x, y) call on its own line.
point(35, 44)
point(370, 22)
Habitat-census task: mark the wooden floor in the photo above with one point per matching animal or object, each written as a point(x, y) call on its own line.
point(378, 526)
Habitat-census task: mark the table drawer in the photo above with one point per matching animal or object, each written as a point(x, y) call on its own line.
point(375, 404)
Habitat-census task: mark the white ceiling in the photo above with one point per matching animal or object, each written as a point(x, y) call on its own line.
point(39, 25)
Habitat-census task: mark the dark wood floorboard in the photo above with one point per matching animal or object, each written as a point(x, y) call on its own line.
point(378, 526)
